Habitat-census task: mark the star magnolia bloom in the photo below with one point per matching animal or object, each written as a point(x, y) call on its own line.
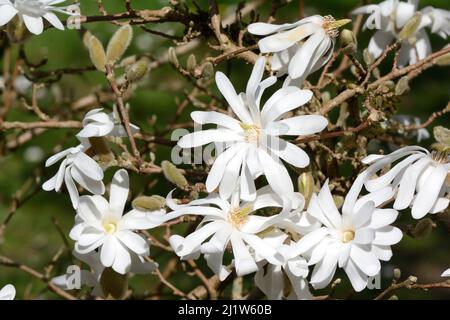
point(232, 223)
point(420, 179)
point(31, 13)
point(252, 142)
point(390, 16)
point(100, 124)
point(102, 225)
point(446, 273)
point(355, 240)
point(305, 46)
point(79, 167)
point(91, 278)
point(8, 292)
point(271, 279)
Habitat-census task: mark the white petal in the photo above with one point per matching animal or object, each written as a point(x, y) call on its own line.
point(357, 278)
point(302, 59)
point(446, 273)
point(382, 218)
point(365, 260)
point(92, 208)
point(90, 235)
point(263, 248)
point(276, 174)
point(309, 241)
point(325, 269)
point(363, 215)
point(122, 261)
point(293, 99)
point(88, 166)
point(34, 24)
point(108, 251)
point(72, 189)
point(326, 202)
point(305, 125)
point(217, 171)
point(54, 20)
point(8, 12)
point(387, 236)
point(379, 41)
point(91, 185)
point(364, 236)
point(289, 152)
point(134, 242)
point(383, 253)
point(203, 137)
point(228, 92)
point(243, 261)
point(262, 29)
point(118, 193)
point(8, 292)
point(230, 177)
point(218, 118)
point(428, 195)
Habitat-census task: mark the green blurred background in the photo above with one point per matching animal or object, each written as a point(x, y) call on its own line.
point(31, 236)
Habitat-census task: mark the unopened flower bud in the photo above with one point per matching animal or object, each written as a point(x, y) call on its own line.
point(173, 174)
point(306, 185)
point(97, 54)
point(191, 63)
point(173, 57)
point(402, 86)
point(138, 70)
point(208, 71)
point(348, 41)
point(16, 30)
point(119, 44)
point(442, 135)
point(423, 228)
point(146, 203)
point(397, 273)
point(86, 38)
point(410, 27)
point(368, 57)
point(338, 201)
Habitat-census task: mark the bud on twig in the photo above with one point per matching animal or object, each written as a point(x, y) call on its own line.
point(208, 71)
point(119, 43)
point(410, 27)
point(306, 185)
point(423, 228)
point(174, 175)
point(348, 41)
point(402, 86)
point(138, 70)
point(173, 57)
point(191, 63)
point(146, 203)
point(97, 54)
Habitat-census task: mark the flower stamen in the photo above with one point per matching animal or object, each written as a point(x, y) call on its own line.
point(348, 236)
point(331, 25)
point(239, 216)
point(251, 132)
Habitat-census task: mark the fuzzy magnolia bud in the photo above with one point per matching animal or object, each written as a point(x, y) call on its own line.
point(338, 201)
point(402, 86)
point(114, 285)
point(146, 203)
point(423, 228)
point(191, 63)
point(174, 175)
point(138, 70)
point(368, 57)
point(208, 71)
point(97, 54)
point(172, 57)
point(397, 273)
point(442, 135)
point(348, 41)
point(410, 27)
point(87, 38)
point(119, 43)
point(306, 185)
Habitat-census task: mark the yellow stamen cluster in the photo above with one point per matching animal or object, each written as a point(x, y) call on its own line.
point(109, 226)
point(440, 157)
point(251, 132)
point(348, 236)
point(239, 216)
point(331, 25)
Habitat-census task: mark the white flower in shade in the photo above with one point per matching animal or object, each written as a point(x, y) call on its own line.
point(8, 292)
point(231, 223)
point(252, 138)
point(99, 124)
point(91, 278)
point(355, 240)
point(299, 48)
point(32, 12)
point(407, 120)
point(286, 280)
point(76, 166)
point(421, 179)
point(390, 16)
point(446, 273)
point(101, 225)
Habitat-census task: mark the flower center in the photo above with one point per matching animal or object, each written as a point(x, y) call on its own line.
point(331, 25)
point(239, 216)
point(251, 132)
point(110, 226)
point(348, 236)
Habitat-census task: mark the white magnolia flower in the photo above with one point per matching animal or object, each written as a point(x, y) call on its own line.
point(31, 13)
point(78, 167)
point(446, 273)
point(231, 223)
point(8, 292)
point(101, 225)
point(355, 240)
point(252, 139)
point(390, 16)
point(420, 179)
point(99, 124)
point(91, 278)
point(299, 48)
point(271, 278)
